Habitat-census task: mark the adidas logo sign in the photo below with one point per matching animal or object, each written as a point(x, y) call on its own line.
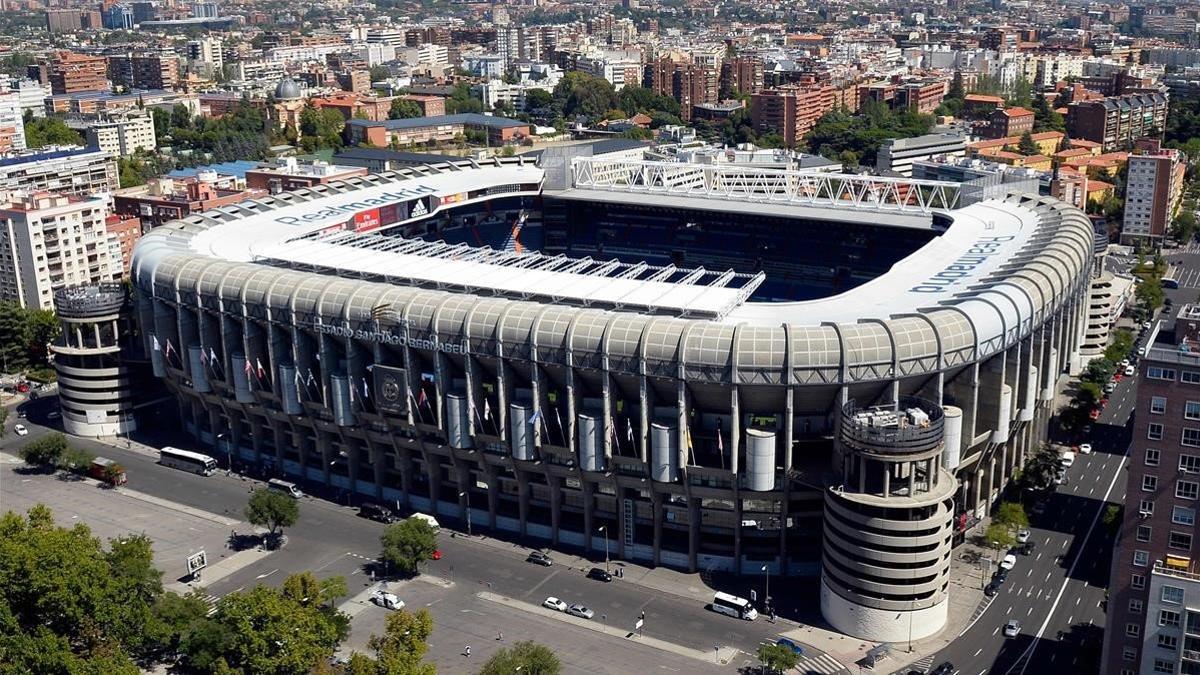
point(419, 209)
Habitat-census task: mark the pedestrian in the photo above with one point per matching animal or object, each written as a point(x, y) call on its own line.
point(467, 651)
point(499, 636)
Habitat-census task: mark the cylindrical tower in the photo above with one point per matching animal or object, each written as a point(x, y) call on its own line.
point(885, 564)
point(96, 359)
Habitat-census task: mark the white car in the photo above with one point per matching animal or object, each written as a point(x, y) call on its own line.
point(1012, 628)
point(1022, 536)
point(1085, 448)
point(1009, 562)
point(580, 611)
point(1066, 460)
point(555, 604)
point(1124, 363)
point(387, 600)
point(1141, 351)
point(21, 430)
point(1130, 371)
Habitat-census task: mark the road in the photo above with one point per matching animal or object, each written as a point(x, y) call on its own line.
point(332, 540)
point(1058, 593)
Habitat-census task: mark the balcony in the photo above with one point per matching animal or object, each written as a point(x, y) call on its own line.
point(1191, 655)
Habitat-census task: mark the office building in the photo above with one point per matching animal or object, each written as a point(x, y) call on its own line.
point(898, 154)
point(49, 241)
point(1153, 622)
point(118, 17)
point(1153, 190)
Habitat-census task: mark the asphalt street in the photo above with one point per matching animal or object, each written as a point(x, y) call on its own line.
point(333, 540)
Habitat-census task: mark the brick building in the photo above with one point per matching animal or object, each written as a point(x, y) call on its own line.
point(1153, 191)
point(745, 74)
point(290, 174)
point(167, 199)
point(790, 111)
point(687, 82)
point(70, 73)
point(1116, 121)
point(1005, 122)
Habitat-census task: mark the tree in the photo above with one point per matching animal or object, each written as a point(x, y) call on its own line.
point(581, 95)
point(272, 510)
point(1112, 516)
point(403, 643)
point(538, 99)
point(999, 537)
point(43, 131)
point(403, 109)
point(380, 73)
point(1040, 469)
point(47, 451)
point(1046, 118)
point(777, 658)
point(407, 543)
point(1183, 228)
point(956, 86)
point(1027, 146)
point(524, 657)
point(1012, 515)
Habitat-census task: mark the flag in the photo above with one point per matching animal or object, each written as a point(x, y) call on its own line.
point(249, 368)
point(422, 399)
point(629, 428)
point(203, 356)
point(366, 392)
point(261, 371)
point(535, 418)
point(558, 418)
point(311, 379)
point(157, 347)
point(213, 361)
point(612, 431)
point(689, 439)
point(169, 347)
point(720, 437)
point(487, 408)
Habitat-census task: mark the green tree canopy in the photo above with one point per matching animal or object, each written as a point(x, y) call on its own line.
point(1027, 146)
point(49, 450)
point(777, 658)
point(272, 510)
point(523, 657)
point(1000, 537)
point(43, 131)
point(1012, 515)
point(407, 543)
point(863, 133)
point(403, 109)
point(582, 95)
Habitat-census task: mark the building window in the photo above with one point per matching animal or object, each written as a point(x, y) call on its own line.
point(1146, 508)
point(1168, 642)
point(1158, 405)
point(1141, 558)
point(1191, 438)
point(1154, 431)
point(1180, 540)
point(1128, 671)
point(1152, 456)
point(1189, 463)
point(1182, 515)
point(1137, 581)
point(1172, 595)
point(1149, 483)
point(1164, 666)
point(1191, 410)
point(1187, 489)
point(1156, 373)
point(1133, 630)
point(1129, 653)
point(1135, 606)
point(1167, 618)
point(1143, 533)
point(1189, 377)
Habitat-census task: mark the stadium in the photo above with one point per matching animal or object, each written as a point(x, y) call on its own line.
point(704, 366)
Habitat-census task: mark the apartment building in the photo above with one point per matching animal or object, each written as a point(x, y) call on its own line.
point(790, 111)
point(898, 154)
point(124, 136)
point(1154, 589)
point(745, 74)
point(1116, 121)
point(166, 199)
point(76, 171)
point(677, 76)
point(1154, 188)
point(291, 174)
point(48, 241)
point(70, 73)
point(12, 124)
point(1005, 122)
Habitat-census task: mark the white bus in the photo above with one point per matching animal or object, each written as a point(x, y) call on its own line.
point(734, 606)
point(188, 461)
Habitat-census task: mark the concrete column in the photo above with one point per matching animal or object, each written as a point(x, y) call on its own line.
point(735, 439)
point(589, 512)
point(656, 506)
point(523, 505)
point(555, 485)
point(693, 535)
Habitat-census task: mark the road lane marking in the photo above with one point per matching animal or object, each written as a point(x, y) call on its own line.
point(1029, 611)
point(1039, 557)
point(977, 651)
point(539, 584)
point(1071, 570)
point(267, 574)
point(1048, 575)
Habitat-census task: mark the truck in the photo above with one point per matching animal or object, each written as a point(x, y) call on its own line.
point(108, 471)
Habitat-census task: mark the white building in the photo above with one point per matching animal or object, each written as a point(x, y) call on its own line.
point(48, 241)
point(484, 65)
point(12, 123)
point(432, 55)
point(898, 154)
point(123, 137)
point(205, 56)
point(33, 96)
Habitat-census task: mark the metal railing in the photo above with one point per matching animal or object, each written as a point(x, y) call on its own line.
point(89, 300)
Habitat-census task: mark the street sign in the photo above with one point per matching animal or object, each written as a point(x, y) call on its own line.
point(196, 562)
point(638, 625)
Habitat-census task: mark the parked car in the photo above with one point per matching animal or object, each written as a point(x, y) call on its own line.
point(386, 600)
point(1027, 548)
point(1009, 562)
point(1085, 448)
point(945, 668)
point(1110, 387)
point(1066, 460)
point(1001, 576)
point(1060, 477)
point(599, 575)
point(1130, 371)
point(376, 512)
point(992, 589)
point(21, 430)
point(539, 558)
point(555, 604)
point(580, 611)
point(1022, 536)
point(785, 642)
point(1012, 628)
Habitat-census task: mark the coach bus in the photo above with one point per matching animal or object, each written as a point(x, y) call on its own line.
point(187, 461)
point(734, 606)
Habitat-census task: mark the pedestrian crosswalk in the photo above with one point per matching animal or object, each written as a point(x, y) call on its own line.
point(211, 601)
point(824, 664)
point(920, 666)
point(1187, 277)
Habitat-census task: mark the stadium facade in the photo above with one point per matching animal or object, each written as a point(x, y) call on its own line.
point(701, 367)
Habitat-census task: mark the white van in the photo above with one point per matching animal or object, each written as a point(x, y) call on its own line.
point(285, 487)
point(428, 519)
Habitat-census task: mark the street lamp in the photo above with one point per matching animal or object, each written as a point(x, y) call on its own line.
point(604, 529)
point(767, 591)
point(463, 495)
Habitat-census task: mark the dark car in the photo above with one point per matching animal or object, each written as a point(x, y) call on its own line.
point(946, 668)
point(1001, 576)
point(796, 648)
point(539, 558)
point(599, 575)
point(1026, 548)
point(992, 589)
point(376, 512)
